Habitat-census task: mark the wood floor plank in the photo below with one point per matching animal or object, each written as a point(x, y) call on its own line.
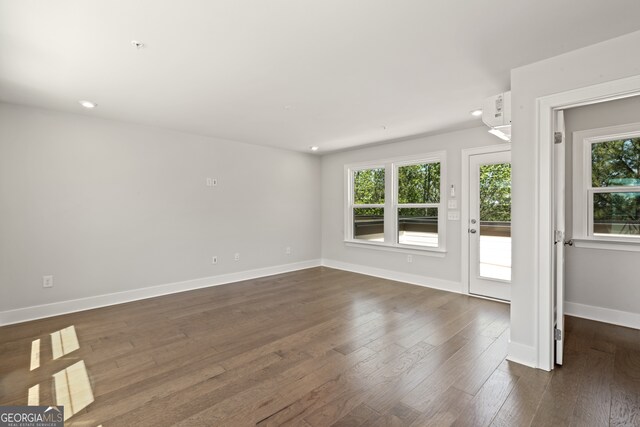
point(559, 399)
point(339, 387)
point(423, 396)
point(445, 409)
point(593, 405)
point(521, 405)
point(625, 408)
point(317, 347)
point(360, 415)
point(384, 399)
point(472, 380)
point(485, 405)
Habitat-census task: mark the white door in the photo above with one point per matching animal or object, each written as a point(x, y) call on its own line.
point(490, 225)
point(559, 233)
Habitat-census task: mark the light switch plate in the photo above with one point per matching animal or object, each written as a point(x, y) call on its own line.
point(453, 215)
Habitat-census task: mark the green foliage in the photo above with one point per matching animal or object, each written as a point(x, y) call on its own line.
point(617, 163)
point(368, 185)
point(495, 192)
point(419, 183)
point(369, 213)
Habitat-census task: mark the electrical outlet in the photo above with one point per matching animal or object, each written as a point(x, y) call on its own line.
point(47, 281)
point(236, 257)
point(409, 258)
point(287, 250)
point(214, 260)
point(212, 182)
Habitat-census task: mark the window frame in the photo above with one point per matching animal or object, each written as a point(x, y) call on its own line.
point(583, 189)
point(391, 205)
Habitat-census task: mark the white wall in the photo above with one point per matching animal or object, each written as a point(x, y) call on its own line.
point(108, 207)
point(597, 278)
point(438, 272)
point(610, 60)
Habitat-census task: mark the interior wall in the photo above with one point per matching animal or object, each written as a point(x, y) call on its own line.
point(107, 207)
point(438, 272)
point(599, 63)
point(600, 278)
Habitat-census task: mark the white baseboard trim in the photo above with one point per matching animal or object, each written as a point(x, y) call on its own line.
point(522, 354)
point(64, 307)
point(600, 314)
point(414, 279)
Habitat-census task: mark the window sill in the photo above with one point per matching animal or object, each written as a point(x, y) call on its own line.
point(606, 244)
point(433, 252)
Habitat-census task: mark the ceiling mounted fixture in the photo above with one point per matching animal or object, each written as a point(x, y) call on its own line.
point(88, 104)
point(314, 148)
point(476, 113)
point(137, 44)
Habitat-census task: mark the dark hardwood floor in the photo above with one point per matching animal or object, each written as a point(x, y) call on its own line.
point(318, 347)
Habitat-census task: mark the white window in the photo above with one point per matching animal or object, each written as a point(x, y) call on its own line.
point(606, 188)
point(397, 203)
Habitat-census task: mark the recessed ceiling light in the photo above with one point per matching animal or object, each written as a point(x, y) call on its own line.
point(137, 44)
point(314, 148)
point(88, 104)
point(476, 113)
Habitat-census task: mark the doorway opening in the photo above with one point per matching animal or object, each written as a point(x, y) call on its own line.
point(597, 213)
point(550, 261)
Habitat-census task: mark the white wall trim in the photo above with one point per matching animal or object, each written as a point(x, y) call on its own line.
point(609, 245)
point(601, 314)
point(522, 354)
point(64, 307)
point(432, 252)
point(414, 279)
point(543, 211)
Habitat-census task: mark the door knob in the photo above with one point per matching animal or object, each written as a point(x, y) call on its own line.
point(472, 231)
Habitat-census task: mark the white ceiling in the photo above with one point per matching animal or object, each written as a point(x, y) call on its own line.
point(288, 73)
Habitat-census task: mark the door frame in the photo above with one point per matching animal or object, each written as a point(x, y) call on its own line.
point(464, 207)
point(544, 203)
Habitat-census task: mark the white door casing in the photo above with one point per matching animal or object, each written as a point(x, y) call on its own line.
point(559, 232)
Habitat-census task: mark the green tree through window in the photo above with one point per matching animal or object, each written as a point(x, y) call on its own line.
point(368, 189)
point(495, 192)
point(616, 164)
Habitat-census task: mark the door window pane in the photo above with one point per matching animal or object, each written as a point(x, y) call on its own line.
point(616, 214)
point(418, 226)
point(495, 221)
point(368, 224)
point(616, 163)
point(368, 187)
point(419, 183)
